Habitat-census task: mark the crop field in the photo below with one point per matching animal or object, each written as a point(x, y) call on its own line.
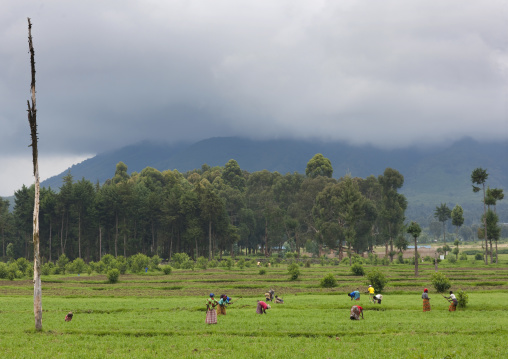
point(154, 315)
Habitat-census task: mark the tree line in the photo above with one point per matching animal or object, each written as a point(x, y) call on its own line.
point(208, 212)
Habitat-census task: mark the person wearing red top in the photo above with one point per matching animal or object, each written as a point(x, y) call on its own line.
point(356, 311)
point(262, 307)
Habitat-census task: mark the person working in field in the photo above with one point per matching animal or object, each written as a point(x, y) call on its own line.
point(453, 302)
point(279, 300)
point(262, 307)
point(223, 302)
point(211, 314)
point(426, 300)
point(354, 295)
point(356, 311)
point(371, 291)
point(378, 298)
point(68, 317)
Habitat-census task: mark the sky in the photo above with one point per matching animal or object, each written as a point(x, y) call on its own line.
point(110, 73)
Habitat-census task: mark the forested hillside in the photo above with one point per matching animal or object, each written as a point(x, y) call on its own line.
point(213, 210)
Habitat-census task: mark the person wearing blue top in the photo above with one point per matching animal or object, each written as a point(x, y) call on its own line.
point(223, 302)
point(354, 295)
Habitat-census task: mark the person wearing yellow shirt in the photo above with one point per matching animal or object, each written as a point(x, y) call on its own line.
point(371, 294)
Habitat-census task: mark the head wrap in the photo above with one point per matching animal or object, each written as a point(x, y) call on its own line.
point(425, 290)
point(212, 295)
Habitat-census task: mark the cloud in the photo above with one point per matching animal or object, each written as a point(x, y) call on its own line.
point(388, 73)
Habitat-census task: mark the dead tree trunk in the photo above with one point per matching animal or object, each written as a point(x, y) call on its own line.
point(32, 120)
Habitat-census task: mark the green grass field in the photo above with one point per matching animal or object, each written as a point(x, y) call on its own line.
point(153, 315)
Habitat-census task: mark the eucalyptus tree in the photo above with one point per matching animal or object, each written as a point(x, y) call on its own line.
point(65, 200)
point(319, 166)
point(372, 190)
point(345, 206)
point(172, 215)
point(285, 191)
point(260, 198)
point(442, 213)
point(23, 213)
point(154, 181)
point(392, 207)
point(83, 201)
point(457, 215)
point(479, 177)
point(492, 196)
point(211, 207)
point(494, 231)
point(6, 220)
point(48, 214)
point(311, 221)
point(414, 230)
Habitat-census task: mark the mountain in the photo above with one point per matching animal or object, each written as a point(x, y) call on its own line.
point(432, 176)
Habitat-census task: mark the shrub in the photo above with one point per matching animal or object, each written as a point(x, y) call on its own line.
point(440, 282)
point(178, 259)
point(62, 262)
point(187, 265)
point(108, 260)
point(138, 262)
point(357, 270)
point(166, 269)
point(385, 261)
point(462, 299)
point(241, 263)
point(29, 272)
point(293, 271)
point(78, 265)
point(451, 259)
point(23, 264)
point(213, 263)
point(428, 259)
point(478, 256)
point(229, 263)
point(153, 263)
point(328, 281)
point(202, 262)
point(262, 271)
point(322, 260)
point(113, 275)
point(400, 258)
point(373, 258)
point(377, 280)
point(3, 270)
point(307, 263)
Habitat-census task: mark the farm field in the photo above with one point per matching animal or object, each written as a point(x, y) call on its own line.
point(155, 315)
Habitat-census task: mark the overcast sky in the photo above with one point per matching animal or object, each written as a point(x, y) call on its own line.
point(115, 72)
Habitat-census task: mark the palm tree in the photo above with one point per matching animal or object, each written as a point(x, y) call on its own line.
point(479, 177)
point(414, 230)
point(442, 214)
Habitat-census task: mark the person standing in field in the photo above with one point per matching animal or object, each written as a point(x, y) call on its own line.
point(354, 295)
point(371, 293)
point(453, 302)
point(262, 307)
point(356, 311)
point(211, 314)
point(426, 300)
